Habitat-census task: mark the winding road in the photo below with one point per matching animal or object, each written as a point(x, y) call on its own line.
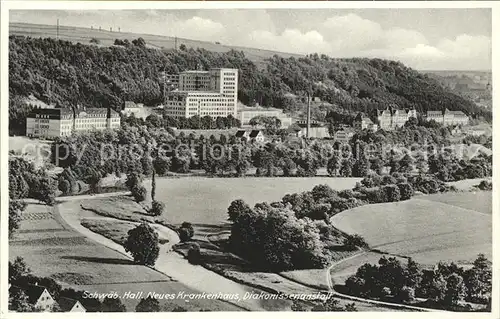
point(168, 263)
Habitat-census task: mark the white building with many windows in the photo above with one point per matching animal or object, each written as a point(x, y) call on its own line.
point(213, 93)
point(55, 122)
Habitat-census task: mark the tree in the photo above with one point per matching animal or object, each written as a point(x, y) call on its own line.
point(352, 242)
point(139, 42)
point(153, 186)
point(182, 47)
point(455, 289)
point(17, 269)
point(157, 208)
point(186, 232)
point(139, 193)
point(391, 193)
point(148, 304)
point(113, 305)
point(18, 301)
point(237, 208)
point(142, 242)
point(405, 190)
point(16, 207)
point(346, 168)
point(134, 179)
point(194, 254)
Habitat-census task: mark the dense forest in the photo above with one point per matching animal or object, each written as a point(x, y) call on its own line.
point(64, 73)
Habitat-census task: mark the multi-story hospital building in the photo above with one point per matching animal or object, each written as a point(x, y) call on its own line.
point(213, 93)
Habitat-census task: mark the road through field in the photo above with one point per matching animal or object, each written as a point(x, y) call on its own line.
point(174, 265)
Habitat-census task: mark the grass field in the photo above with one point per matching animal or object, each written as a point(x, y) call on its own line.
point(52, 248)
point(480, 201)
point(427, 230)
point(204, 201)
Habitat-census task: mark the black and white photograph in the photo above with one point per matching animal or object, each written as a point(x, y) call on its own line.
point(229, 158)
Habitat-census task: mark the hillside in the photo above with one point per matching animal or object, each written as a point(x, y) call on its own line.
point(107, 38)
point(65, 73)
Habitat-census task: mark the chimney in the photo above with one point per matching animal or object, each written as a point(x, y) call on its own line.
point(308, 128)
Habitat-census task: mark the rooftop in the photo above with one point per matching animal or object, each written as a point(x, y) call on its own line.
point(66, 304)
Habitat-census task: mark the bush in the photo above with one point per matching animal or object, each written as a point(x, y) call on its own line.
point(142, 242)
point(391, 193)
point(356, 286)
point(157, 208)
point(352, 242)
point(405, 190)
point(139, 193)
point(388, 180)
point(194, 254)
point(375, 195)
point(406, 294)
point(371, 180)
point(485, 185)
point(186, 232)
point(346, 193)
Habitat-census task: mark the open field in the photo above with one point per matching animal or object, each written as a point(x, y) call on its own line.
point(480, 201)
point(202, 200)
point(427, 230)
point(52, 248)
point(107, 38)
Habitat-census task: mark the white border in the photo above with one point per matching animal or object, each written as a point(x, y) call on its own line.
point(87, 5)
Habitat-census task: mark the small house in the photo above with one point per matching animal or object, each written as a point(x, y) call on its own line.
point(70, 305)
point(38, 296)
point(257, 136)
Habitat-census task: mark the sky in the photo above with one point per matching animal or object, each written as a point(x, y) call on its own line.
point(424, 39)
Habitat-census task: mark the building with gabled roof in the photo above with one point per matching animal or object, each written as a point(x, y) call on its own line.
point(70, 305)
point(38, 296)
point(392, 118)
point(57, 122)
point(448, 117)
point(362, 122)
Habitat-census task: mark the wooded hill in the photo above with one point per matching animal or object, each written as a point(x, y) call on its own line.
point(65, 73)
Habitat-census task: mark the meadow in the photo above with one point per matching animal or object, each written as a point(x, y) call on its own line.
point(51, 248)
point(428, 230)
point(204, 201)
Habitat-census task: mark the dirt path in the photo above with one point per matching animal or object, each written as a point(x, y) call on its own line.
point(171, 264)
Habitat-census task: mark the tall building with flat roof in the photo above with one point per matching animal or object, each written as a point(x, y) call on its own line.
point(213, 93)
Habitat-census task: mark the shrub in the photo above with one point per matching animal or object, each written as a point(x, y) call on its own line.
point(139, 193)
point(237, 208)
point(194, 254)
point(186, 232)
point(485, 185)
point(142, 242)
point(388, 179)
point(405, 190)
point(406, 294)
point(157, 208)
point(356, 286)
point(372, 180)
point(351, 242)
point(346, 193)
point(375, 195)
point(391, 193)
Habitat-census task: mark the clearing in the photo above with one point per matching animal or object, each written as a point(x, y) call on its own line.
point(204, 201)
point(425, 229)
